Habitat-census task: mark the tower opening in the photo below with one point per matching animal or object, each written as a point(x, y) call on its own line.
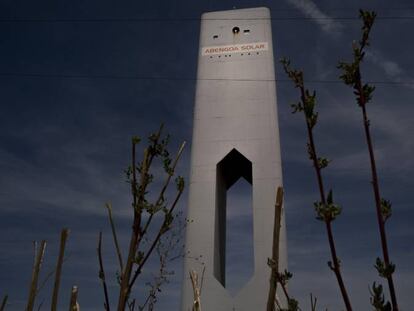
point(239, 236)
point(233, 249)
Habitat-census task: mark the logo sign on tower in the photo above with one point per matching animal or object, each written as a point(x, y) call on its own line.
point(234, 48)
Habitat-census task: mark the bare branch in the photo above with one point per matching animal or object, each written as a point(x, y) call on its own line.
point(102, 273)
point(202, 279)
point(39, 307)
point(277, 303)
point(313, 301)
point(45, 280)
point(114, 235)
point(48, 276)
point(4, 302)
point(131, 305)
point(165, 251)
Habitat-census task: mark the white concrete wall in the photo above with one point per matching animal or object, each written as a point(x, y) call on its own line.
point(235, 107)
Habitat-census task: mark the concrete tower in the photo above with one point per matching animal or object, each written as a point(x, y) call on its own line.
point(235, 135)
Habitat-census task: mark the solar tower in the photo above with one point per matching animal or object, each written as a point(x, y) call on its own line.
point(235, 135)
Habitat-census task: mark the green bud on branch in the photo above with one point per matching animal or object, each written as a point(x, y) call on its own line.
point(136, 140)
point(323, 162)
point(378, 299)
point(383, 269)
point(386, 210)
point(179, 181)
point(329, 211)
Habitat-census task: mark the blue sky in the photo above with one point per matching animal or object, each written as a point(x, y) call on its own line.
point(78, 79)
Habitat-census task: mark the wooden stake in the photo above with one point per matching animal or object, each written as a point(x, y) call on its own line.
point(38, 258)
point(196, 290)
point(274, 261)
point(63, 237)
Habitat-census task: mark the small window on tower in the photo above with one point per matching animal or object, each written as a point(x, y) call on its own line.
point(236, 30)
point(246, 31)
point(215, 37)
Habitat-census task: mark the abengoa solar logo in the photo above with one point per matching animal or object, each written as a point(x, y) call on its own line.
point(235, 48)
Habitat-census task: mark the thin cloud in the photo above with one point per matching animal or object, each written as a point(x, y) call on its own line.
point(391, 68)
point(310, 9)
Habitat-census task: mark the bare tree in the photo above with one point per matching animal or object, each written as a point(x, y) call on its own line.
point(102, 273)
